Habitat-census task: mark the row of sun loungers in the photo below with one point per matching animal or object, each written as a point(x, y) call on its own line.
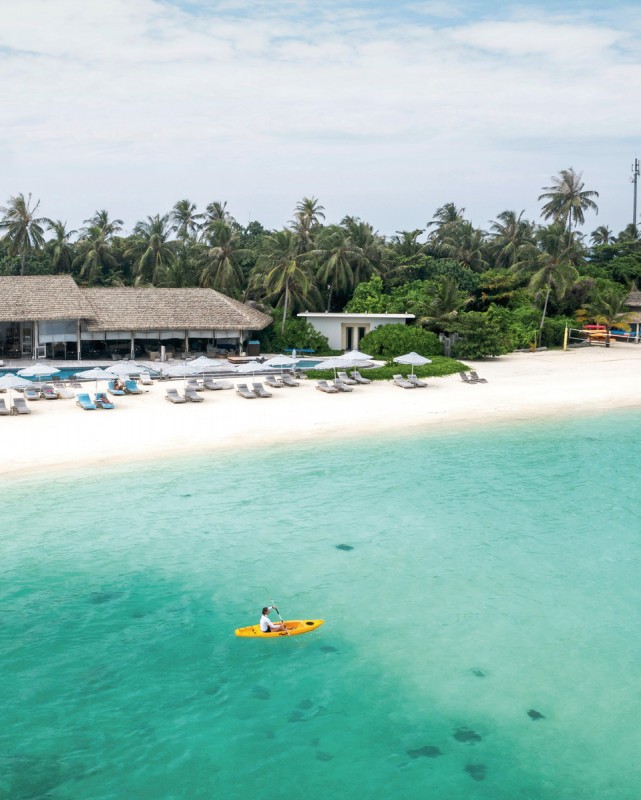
point(411, 382)
point(19, 406)
point(100, 401)
point(471, 377)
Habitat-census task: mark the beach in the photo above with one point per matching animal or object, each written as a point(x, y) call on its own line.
point(58, 434)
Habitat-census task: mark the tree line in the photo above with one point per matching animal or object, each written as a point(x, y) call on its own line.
point(515, 284)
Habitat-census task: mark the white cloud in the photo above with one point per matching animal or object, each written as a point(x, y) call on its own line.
point(132, 106)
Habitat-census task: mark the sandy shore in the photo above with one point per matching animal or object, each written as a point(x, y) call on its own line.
point(520, 386)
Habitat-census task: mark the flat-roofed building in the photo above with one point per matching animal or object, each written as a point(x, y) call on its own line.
point(345, 331)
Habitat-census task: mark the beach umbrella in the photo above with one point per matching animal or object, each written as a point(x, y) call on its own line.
point(179, 371)
point(11, 381)
point(204, 362)
point(355, 355)
point(38, 371)
point(126, 368)
point(340, 362)
point(251, 367)
point(97, 374)
point(280, 361)
point(414, 359)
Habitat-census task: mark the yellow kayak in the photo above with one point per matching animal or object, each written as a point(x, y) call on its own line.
point(294, 627)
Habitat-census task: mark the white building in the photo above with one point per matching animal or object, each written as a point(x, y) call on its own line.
point(345, 331)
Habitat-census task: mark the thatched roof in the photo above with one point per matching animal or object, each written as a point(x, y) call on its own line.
point(124, 308)
point(634, 300)
point(41, 297)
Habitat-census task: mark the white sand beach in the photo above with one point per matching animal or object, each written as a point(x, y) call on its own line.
point(58, 434)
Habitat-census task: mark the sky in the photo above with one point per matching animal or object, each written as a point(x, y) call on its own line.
point(381, 110)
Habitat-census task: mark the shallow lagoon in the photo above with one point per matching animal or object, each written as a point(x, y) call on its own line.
point(493, 573)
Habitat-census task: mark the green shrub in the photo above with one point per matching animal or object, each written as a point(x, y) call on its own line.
point(298, 333)
point(482, 334)
point(439, 367)
point(389, 341)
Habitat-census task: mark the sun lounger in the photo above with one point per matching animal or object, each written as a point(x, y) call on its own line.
point(173, 396)
point(342, 386)
point(274, 382)
point(192, 396)
point(418, 383)
point(145, 379)
point(4, 411)
point(212, 385)
point(465, 377)
point(110, 387)
point(323, 386)
point(399, 380)
point(49, 393)
point(289, 381)
point(343, 376)
point(356, 375)
point(20, 406)
point(243, 390)
point(475, 378)
point(131, 387)
point(194, 385)
point(31, 394)
point(102, 401)
point(260, 391)
point(84, 401)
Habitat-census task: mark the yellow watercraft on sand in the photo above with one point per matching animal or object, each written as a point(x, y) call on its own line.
point(294, 628)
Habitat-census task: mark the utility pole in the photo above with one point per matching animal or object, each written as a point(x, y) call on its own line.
point(635, 180)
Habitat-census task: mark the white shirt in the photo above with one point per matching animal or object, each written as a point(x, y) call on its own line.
point(265, 623)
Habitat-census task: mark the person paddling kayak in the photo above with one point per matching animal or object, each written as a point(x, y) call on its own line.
point(266, 625)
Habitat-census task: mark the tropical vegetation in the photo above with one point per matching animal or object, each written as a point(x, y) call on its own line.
point(514, 283)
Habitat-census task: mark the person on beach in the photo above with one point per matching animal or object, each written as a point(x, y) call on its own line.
point(266, 625)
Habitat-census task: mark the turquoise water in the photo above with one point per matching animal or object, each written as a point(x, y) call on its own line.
point(492, 574)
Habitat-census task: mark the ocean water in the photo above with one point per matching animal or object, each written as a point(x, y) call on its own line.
point(482, 636)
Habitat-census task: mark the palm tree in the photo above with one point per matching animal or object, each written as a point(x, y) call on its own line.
point(221, 261)
point(466, 244)
point(152, 249)
point(445, 218)
point(217, 211)
point(62, 249)
point(512, 239)
point(444, 307)
point(94, 255)
point(23, 230)
point(602, 235)
point(282, 273)
point(308, 217)
point(405, 244)
point(370, 243)
point(338, 256)
point(185, 221)
point(567, 199)
point(554, 267)
point(100, 219)
point(629, 234)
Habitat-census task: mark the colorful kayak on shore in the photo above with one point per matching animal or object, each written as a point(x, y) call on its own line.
point(294, 628)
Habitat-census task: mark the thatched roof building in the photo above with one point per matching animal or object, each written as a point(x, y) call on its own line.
point(41, 297)
point(123, 308)
point(634, 302)
point(44, 315)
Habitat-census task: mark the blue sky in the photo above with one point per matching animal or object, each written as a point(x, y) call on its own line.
point(381, 110)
